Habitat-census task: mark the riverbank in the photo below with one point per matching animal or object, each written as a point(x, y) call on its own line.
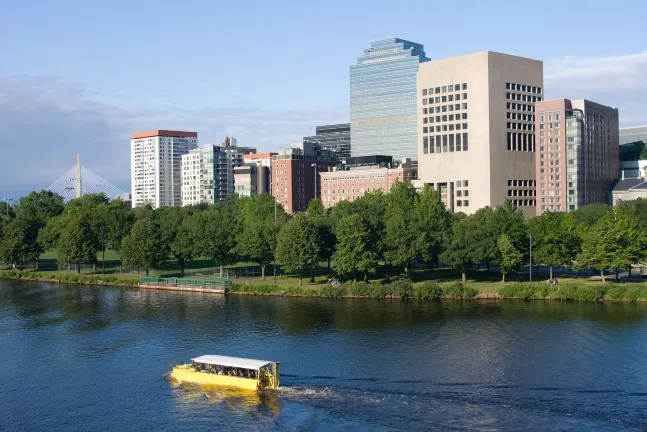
point(401, 289)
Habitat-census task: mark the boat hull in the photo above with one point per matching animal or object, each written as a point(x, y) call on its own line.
point(190, 375)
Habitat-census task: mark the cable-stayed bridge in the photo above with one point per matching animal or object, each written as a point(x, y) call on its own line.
point(79, 181)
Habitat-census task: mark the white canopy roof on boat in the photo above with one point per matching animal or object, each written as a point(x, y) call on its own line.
point(238, 362)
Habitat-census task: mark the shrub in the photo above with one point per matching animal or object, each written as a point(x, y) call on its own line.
point(428, 290)
point(382, 290)
point(616, 292)
point(459, 290)
point(332, 291)
point(362, 289)
point(403, 289)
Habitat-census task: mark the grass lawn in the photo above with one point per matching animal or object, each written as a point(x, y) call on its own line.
point(249, 273)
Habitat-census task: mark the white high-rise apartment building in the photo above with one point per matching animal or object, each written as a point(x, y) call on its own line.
point(155, 166)
point(208, 172)
point(476, 129)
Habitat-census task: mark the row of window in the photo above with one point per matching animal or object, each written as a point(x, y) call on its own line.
point(444, 89)
point(548, 116)
point(445, 143)
point(520, 116)
point(522, 192)
point(523, 87)
point(444, 128)
point(445, 99)
point(520, 142)
point(462, 183)
point(462, 203)
point(519, 107)
point(444, 118)
point(522, 97)
point(524, 203)
point(520, 126)
point(522, 183)
point(445, 108)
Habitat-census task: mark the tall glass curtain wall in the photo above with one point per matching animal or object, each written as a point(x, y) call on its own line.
point(383, 105)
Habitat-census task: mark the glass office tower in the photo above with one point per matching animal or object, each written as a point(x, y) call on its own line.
point(383, 103)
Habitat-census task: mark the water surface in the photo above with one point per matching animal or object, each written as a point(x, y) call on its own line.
point(81, 358)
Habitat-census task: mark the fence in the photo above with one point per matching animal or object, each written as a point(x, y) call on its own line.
point(179, 282)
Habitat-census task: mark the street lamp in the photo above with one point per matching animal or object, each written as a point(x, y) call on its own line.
point(6, 200)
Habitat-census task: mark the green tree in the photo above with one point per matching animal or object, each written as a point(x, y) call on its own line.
point(555, 239)
point(261, 219)
point(217, 236)
point(40, 206)
point(591, 213)
point(144, 247)
point(297, 247)
point(483, 236)
point(323, 224)
point(18, 244)
point(509, 220)
point(432, 223)
point(6, 211)
point(459, 249)
point(353, 251)
point(78, 242)
point(637, 207)
point(372, 208)
point(183, 247)
point(400, 237)
point(120, 223)
point(510, 258)
point(616, 241)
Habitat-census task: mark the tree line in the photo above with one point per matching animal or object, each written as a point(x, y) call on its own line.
point(393, 229)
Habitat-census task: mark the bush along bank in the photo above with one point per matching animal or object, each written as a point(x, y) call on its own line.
point(527, 291)
point(401, 289)
point(69, 278)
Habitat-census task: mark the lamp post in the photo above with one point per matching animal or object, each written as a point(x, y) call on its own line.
point(6, 200)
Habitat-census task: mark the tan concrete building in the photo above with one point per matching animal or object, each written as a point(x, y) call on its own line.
point(353, 183)
point(476, 141)
point(578, 154)
point(250, 180)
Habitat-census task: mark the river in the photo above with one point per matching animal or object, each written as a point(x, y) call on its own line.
point(93, 359)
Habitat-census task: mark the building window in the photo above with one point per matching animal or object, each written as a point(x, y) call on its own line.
point(465, 145)
point(464, 86)
point(444, 143)
point(425, 145)
point(458, 143)
point(466, 203)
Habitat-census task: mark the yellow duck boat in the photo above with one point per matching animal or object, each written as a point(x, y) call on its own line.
point(238, 372)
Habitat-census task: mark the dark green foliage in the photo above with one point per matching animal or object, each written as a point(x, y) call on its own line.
point(144, 247)
point(427, 291)
point(297, 249)
point(403, 289)
point(590, 214)
point(353, 252)
point(459, 291)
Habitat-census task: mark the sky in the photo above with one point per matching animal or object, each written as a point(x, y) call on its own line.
point(79, 76)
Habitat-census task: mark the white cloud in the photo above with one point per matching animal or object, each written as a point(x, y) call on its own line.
point(619, 81)
point(46, 121)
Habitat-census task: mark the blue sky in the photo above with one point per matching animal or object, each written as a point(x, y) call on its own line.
point(79, 76)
